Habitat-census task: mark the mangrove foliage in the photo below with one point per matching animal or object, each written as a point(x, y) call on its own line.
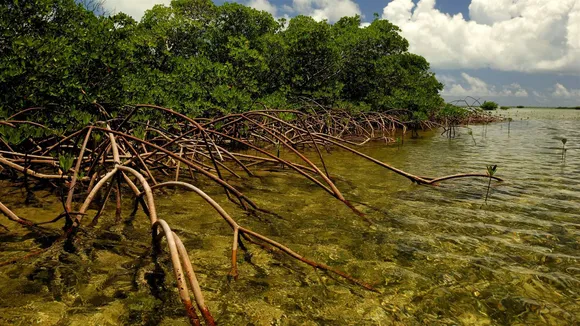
point(201, 60)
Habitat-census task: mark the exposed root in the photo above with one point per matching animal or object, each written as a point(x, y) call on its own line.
point(88, 165)
point(239, 230)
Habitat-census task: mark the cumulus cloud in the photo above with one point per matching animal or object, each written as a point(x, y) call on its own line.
point(562, 92)
point(133, 8)
point(446, 79)
point(516, 90)
point(524, 35)
point(473, 86)
point(136, 8)
point(332, 10)
point(487, 12)
point(263, 5)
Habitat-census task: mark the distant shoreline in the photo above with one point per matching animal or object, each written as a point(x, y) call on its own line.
point(550, 107)
point(543, 107)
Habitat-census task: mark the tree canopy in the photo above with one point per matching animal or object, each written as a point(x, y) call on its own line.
point(202, 59)
point(489, 105)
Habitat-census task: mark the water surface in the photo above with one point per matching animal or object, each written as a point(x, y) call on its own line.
point(438, 255)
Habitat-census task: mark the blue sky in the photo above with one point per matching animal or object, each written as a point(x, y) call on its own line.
point(524, 52)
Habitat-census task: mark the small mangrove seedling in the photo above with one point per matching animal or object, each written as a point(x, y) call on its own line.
point(564, 141)
point(470, 133)
point(491, 169)
point(65, 162)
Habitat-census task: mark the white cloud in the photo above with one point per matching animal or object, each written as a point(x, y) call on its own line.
point(524, 35)
point(473, 86)
point(538, 94)
point(332, 10)
point(136, 8)
point(133, 8)
point(446, 79)
point(398, 11)
point(264, 5)
point(487, 12)
point(516, 90)
point(541, 98)
point(562, 92)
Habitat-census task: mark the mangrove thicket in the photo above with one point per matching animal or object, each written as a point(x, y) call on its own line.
point(227, 90)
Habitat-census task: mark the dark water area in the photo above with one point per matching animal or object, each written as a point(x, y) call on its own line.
point(438, 255)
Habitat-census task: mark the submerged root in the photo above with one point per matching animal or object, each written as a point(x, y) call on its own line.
point(13, 217)
point(240, 231)
point(140, 154)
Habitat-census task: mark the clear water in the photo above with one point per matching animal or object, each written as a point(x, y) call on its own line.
point(438, 255)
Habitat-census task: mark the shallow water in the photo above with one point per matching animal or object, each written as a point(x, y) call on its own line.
point(438, 255)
